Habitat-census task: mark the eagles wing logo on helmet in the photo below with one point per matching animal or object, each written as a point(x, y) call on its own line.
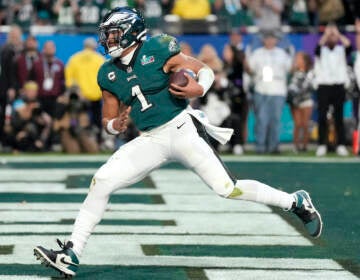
point(126, 26)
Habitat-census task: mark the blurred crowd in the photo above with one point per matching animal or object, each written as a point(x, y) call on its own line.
point(266, 77)
point(266, 14)
point(47, 105)
point(44, 104)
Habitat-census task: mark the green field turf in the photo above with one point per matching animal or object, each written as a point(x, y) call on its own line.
point(336, 190)
point(171, 226)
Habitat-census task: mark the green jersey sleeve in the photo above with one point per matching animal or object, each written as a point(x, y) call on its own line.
point(165, 46)
point(102, 76)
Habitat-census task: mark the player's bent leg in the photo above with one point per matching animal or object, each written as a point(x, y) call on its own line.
point(299, 202)
point(92, 210)
point(206, 163)
point(256, 191)
point(191, 147)
point(128, 165)
point(199, 155)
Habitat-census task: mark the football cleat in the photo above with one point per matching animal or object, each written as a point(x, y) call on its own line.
point(305, 210)
point(65, 261)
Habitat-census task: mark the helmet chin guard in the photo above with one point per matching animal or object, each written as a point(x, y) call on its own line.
point(115, 51)
point(127, 26)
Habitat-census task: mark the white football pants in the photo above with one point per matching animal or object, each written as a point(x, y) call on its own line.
point(181, 139)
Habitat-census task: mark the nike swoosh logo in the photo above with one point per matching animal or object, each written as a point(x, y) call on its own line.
point(65, 262)
point(179, 126)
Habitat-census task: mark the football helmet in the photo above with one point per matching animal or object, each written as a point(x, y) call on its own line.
point(127, 27)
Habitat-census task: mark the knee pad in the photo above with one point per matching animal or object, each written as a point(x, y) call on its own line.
point(100, 183)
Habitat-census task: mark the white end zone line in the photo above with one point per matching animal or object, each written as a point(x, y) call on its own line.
point(246, 274)
point(23, 277)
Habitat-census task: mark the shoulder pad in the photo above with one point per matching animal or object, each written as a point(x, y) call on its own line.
point(166, 43)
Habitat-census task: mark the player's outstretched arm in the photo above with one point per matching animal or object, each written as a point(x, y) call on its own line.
point(193, 88)
point(115, 114)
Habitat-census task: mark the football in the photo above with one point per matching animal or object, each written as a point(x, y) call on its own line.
point(178, 78)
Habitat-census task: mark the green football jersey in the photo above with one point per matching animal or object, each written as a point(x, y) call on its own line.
point(143, 84)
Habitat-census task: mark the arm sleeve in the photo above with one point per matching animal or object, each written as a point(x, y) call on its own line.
point(103, 78)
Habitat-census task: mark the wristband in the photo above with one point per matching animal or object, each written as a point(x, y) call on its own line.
point(206, 78)
point(110, 128)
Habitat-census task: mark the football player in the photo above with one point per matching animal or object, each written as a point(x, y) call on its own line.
point(135, 83)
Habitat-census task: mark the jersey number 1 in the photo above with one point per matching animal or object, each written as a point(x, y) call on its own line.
point(136, 91)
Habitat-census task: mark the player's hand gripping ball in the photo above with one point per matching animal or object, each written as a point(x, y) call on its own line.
point(178, 78)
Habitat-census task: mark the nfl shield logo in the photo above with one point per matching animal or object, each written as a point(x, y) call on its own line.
point(147, 59)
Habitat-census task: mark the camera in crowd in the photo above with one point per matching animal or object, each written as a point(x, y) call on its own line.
point(76, 104)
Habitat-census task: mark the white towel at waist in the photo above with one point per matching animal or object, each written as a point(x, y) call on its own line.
point(220, 134)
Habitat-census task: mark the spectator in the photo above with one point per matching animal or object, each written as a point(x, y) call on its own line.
point(111, 4)
point(30, 127)
point(300, 99)
point(23, 13)
point(298, 14)
point(81, 70)
point(349, 12)
point(186, 49)
point(270, 66)
point(167, 6)
point(214, 105)
point(217, 103)
point(330, 11)
point(89, 14)
point(44, 12)
point(189, 9)
point(357, 70)
point(153, 10)
point(3, 14)
point(67, 12)
point(356, 9)
point(150, 8)
point(73, 124)
point(25, 61)
point(331, 77)
point(9, 52)
point(209, 56)
point(312, 7)
point(235, 65)
point(235, 11)
point(267, 13)
point(49, 74)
